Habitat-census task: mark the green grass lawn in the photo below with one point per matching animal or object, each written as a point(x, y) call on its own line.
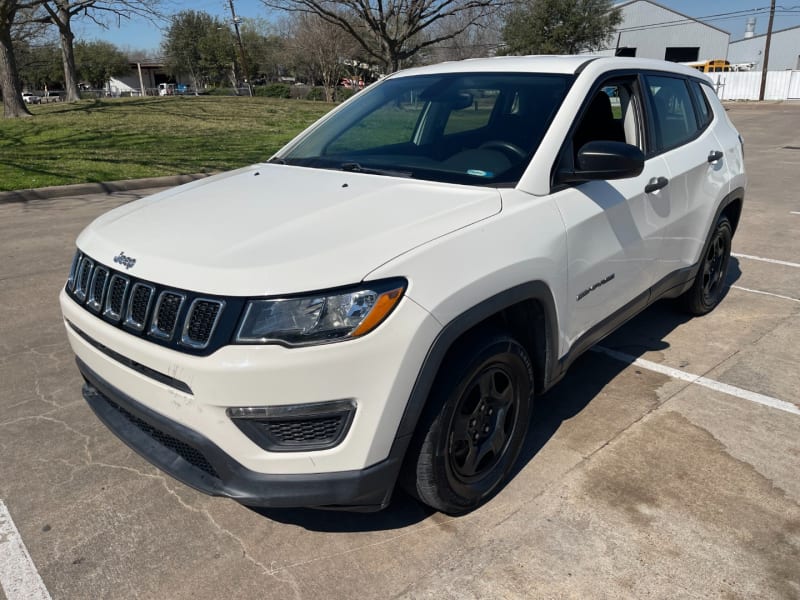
point(107, 140)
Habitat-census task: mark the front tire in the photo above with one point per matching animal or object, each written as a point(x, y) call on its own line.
point(474, 425)
point(709, 284)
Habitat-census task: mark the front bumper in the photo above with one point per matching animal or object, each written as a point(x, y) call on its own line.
point(196, 461)
point(186, 398)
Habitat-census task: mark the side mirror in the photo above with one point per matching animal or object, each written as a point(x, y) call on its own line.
point(604, 160)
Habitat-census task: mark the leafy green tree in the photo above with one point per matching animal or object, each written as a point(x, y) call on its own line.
point(97, 62)
point(559, 26)
point(266, 50)
point(201, 46)
point(39, 65)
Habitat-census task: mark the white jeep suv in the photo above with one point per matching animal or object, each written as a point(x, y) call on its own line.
point(382, 300)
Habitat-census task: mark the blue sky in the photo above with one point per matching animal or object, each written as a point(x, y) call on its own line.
point(144, 35)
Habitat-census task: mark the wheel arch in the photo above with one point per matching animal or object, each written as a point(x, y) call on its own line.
point(732, 208)
point(527, 311)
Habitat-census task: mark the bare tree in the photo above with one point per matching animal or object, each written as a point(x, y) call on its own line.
point(321, 48)
point(477, 36)
point(61, 12)
point(392, 31)
point(13, 106)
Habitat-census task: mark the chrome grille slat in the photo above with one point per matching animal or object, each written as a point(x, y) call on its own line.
point(201, 321)
point(165, 315)
point(97, 288)
point(139, 306)
point(83, 277)
point(115, 297)
point(73, 271)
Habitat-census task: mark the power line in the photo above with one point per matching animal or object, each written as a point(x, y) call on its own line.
point(715, 17)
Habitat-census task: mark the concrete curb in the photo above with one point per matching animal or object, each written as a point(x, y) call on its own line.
point(108, 187)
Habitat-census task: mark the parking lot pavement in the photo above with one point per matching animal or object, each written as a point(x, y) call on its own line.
point(637, 481)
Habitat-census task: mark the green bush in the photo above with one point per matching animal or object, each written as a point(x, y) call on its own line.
point(343, 93)
point(273, 90)
point(316, 93)
point(220, 91)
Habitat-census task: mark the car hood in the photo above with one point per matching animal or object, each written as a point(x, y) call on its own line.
point(277, 229)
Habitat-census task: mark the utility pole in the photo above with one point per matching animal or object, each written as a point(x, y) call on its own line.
point(241, 46)
point(765, 64)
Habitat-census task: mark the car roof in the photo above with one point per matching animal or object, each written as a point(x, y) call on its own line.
point(563, 64)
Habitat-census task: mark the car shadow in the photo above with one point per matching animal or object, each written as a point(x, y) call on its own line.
point(586, 378)
point(402, 512)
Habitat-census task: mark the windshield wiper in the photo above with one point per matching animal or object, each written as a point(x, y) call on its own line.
point(354, 167)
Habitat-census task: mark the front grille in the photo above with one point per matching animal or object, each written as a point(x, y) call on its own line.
point(188, 453)
point(180, 319)
point(308, 431)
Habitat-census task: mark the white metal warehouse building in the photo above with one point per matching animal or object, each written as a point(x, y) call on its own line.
point(650, 30)
point(784, 50)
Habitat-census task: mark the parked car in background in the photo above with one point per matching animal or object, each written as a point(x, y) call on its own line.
point(30, 98)
point(384, 298)
point(52, 96)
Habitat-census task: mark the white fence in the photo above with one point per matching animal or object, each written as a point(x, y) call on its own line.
point(745, 85)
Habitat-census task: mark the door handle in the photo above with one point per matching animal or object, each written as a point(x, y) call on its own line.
point(656, 183)
point(714, 156)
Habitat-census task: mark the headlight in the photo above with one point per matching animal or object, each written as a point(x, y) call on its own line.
point(320, 317)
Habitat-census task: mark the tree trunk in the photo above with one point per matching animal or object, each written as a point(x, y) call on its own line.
point(67, 51)
point(13, 106)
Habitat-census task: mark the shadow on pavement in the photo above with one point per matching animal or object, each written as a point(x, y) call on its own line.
point(402, 512)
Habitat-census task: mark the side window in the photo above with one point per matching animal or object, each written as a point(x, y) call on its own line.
point(674, 119)
point(613, 114)
point(704, 114)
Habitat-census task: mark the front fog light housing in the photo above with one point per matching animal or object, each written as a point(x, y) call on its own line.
point(320, 317)
point(295, 427)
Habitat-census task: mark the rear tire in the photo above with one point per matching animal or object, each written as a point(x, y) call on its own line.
point(709, 284)
point(473, 426)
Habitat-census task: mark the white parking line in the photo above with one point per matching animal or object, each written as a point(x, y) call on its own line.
point(699, 380)
point(767, 260)
point(744, 289)
point(18, 575)
point(794, 212)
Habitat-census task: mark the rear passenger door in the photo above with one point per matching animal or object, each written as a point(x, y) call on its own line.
point(682, 124)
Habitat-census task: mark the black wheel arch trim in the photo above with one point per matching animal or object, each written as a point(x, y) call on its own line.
point(537, 291)
point(735, 195)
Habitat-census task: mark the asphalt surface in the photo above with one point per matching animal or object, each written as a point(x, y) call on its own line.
point(635, 483)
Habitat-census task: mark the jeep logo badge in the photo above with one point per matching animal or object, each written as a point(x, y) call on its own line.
point(125, 261)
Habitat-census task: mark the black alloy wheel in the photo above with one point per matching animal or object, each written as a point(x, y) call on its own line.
point(473, 426)
point(709, 284)
point(480, 430)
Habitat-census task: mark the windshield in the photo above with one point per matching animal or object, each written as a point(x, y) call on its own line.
point(469, 128)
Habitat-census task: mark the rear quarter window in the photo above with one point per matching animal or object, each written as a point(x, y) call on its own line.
point(704, 114)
